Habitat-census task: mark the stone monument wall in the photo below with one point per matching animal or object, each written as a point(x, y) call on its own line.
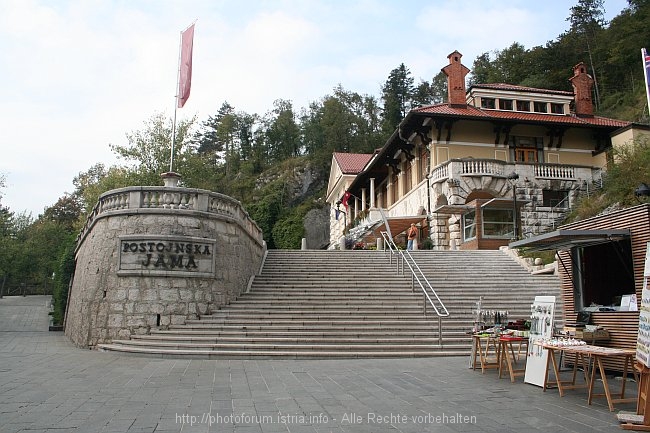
point(157, 256)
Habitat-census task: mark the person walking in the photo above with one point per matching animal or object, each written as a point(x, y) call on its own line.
point(411, 235)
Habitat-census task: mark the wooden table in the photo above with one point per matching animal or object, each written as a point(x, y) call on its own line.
point(598, 353)
point(588, 354)
point(507, 355)
point(486, 352)
point(552, 361)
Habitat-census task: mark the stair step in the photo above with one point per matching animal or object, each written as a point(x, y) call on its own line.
point(343, 339)
point(248, 354)
point(279, 346)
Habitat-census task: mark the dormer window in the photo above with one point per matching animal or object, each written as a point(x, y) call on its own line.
point(505, 104)
point(557, 108)
point(523, 105)
point(540, 107)
point(488, 103)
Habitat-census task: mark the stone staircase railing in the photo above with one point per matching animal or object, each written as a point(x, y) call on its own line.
point(176, 199)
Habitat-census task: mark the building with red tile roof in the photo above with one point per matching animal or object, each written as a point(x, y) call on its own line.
point(496, 162)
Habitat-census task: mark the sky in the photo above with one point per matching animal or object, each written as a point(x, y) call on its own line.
point(79, 75)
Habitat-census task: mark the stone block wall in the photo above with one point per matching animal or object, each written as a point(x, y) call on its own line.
point(142, 268)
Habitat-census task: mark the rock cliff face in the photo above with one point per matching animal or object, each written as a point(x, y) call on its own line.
point(301, 182)
point(317, 228)
point(304, 183)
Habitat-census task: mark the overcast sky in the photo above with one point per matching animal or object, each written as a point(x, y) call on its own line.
point(77, 76)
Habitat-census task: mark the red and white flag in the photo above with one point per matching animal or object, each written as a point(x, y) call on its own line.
point(185, 73)
point(646, 72)
point(346, 197)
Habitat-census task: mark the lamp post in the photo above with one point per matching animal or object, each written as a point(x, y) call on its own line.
point(642, 190)
point(512, 178)
point(345, 215)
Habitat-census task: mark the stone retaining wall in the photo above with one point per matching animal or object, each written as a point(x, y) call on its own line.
point(142, 264)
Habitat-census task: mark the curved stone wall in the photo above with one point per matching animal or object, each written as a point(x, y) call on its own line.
point(155, 256)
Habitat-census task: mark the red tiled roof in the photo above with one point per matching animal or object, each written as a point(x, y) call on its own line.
point(474, 112)
point(512, 87)
point(352, 163)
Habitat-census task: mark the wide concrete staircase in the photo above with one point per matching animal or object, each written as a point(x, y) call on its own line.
point(351, 304)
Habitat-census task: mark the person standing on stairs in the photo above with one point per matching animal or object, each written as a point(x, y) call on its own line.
point(411, 235)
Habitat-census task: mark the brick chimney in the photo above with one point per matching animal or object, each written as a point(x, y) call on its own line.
point(582, 85)
point(455, 72)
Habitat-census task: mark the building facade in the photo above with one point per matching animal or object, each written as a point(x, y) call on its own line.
point(496, 162)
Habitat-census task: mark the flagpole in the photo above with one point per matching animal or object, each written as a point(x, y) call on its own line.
point(185, 48)
point(178, 76)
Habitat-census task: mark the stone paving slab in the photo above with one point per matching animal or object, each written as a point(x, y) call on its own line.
point(48, 385)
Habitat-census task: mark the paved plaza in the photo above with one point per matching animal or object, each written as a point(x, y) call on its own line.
point(48, 385)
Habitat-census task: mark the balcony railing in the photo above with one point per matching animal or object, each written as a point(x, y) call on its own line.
point(455, 168)
point(173, 199)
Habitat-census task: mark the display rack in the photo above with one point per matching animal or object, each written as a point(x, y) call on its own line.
point(641, 421)
point(542, 321)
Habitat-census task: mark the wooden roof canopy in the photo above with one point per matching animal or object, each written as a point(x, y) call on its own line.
point(567, 239)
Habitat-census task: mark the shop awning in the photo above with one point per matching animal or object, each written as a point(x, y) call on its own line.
point(567, 239)
point(459, 209)
point(503, 203)
point(453, 209)
point(396, 224)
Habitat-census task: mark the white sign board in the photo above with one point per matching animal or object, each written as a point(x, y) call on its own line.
point(542, 320)
point(643, 339)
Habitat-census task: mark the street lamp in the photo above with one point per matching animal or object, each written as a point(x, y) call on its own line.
point(642, 190)
point(512, 178)
point(345, 215)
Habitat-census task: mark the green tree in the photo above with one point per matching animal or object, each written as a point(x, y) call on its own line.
point(218, 136)
point(63, 272)
point(15, 258)
point(482, 70)
point(397, 96)
point(282, 133)
point(3, 183)
point(587, 20)
point(627, 169)
point(8, 245)
point(512, 64)
point(289, 231)
point(439, 88)
point(148, 150)
point(423, 94)
point(66, 212)
point(341, 122)
point(98, 179)
point(630, 167)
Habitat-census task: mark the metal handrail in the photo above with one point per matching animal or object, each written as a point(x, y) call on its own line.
point(416, 275)
point(557, 206)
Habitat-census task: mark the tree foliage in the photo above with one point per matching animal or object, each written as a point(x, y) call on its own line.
point(148, 151)
point(611, 50)
point(397, 95)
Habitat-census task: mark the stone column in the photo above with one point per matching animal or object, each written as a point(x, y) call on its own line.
point(372, 192)
point(171, 179)
point(363, 199)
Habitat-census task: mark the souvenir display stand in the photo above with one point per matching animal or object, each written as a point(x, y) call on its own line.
point(641, 421)
point(542, 319)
